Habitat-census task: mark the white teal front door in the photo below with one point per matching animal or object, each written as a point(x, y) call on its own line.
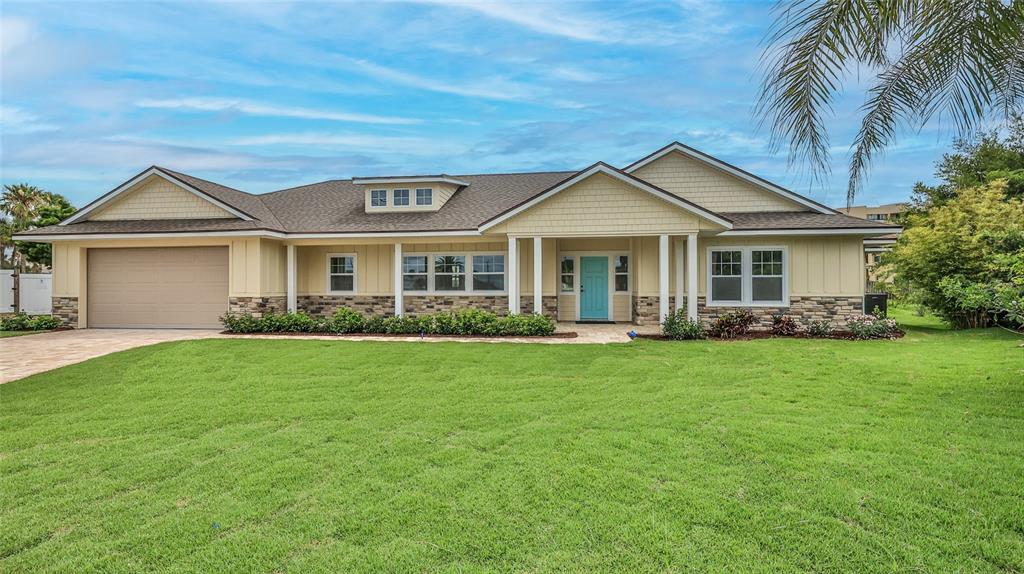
point(593, 288)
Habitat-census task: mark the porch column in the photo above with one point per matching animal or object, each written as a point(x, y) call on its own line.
point(663, 306)
point(691, 276)
point(290, 286)
point(677, 244)
point(538, 300)
point(399, 303)
point(513, 276)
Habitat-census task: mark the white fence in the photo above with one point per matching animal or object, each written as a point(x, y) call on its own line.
point(36, 292)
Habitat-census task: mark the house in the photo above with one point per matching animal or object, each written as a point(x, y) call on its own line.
point(675, 229)
point(874, 247)
point(884, 212)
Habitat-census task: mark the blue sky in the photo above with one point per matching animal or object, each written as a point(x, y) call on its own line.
point(267, 95)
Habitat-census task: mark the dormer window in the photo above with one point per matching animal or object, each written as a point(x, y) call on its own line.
point(424, 196)
point(379, 198)
point(401, 197)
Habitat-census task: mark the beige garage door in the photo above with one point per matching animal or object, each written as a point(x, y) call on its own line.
point(171, 287)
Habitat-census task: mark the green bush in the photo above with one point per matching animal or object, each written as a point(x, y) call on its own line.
point(24, 322)
point(346, 320)
point(534, 325)
point(871, 327)
point(678, 327)
point(784, 326)
point(822, 329)
point(732, 325)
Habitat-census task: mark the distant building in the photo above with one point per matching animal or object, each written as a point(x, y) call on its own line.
point(874, 212)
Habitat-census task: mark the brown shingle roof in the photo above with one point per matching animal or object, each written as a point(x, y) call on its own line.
point(761, 220)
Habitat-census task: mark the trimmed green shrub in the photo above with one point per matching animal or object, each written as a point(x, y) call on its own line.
point(822, 329)
point(24, 322)
point(534, 325)
point(871, 327)
point(732, 325)
point(678, 327)
point(347, 320)
point(784, 326)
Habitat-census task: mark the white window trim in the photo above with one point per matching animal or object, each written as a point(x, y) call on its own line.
point(394, 197)
point(430, 255)
point(746, 277)
point(372, 191)
point(428, 204)
point(355, 273)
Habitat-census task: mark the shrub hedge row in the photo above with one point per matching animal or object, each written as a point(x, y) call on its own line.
point(23, 322)
point(732, 325)
point(345, 320)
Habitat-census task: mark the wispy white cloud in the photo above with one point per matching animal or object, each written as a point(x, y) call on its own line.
point(353, 141)
point(492, 88)
point(17, 120)
point(258, 109)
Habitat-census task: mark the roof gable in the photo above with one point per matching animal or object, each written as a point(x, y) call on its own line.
point(605, 197)
point(707, 180)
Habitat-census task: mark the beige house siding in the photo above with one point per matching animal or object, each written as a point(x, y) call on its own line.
point(157, 198)
point(710, 187)
point(597, 205)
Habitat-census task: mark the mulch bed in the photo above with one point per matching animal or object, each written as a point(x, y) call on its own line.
point(559, 335)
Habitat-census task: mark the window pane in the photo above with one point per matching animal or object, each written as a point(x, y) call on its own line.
point(424, 196)
point(726, 288)
point(767, 289)
point(342, 265)
point(621, 263)
point(726, 263)
point(449, 264)
point(414, 282)
point(341, 282)
point(622, 282)
point(488, 263)
point(567, 264)
point(567, 282)
point(378, 198)
point(489, 282)
point(401, 197)
point(766, 262)
point(414, 264)
point(450, 282)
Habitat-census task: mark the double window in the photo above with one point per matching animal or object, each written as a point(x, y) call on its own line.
point(341, 273)
point(747, 276)
point(378, 198)
point(448, 273)
point(424, 196)
point(401, 197)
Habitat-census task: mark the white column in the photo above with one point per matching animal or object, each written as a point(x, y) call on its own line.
point(399, 303)
point(538, 300)
point(677, 244)
point(291, 265)
point(513, 276)
point(663, 306)
point(691, 276)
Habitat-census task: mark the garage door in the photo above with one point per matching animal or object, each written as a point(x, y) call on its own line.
point(171, 287)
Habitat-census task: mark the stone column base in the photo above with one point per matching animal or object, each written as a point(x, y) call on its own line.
point(66, 309)
point(549, 305)
point(647, 307)
point(257, 306)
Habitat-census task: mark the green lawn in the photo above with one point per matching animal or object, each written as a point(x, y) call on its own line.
point(334, 456)
point(18, 333)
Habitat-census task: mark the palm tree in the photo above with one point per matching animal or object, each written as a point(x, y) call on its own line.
point(18, 203)
point(958, 59)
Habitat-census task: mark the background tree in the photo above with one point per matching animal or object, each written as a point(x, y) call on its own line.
point(55, 209)
point(17, 208)
point(959, 59)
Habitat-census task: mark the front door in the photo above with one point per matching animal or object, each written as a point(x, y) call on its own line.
point(593, 288)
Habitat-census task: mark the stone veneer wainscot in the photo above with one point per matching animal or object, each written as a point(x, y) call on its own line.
point(66, 308)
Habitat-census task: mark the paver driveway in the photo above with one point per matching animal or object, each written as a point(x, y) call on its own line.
point(31, 354)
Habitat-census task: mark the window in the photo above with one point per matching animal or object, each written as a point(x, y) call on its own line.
point(878, 217)
point(414, 273)
point(378, 197)
point(727, 276)
point(622, 273)
point(766, 275)
point(401, 197)
point(747, 276)
point(568, 272)
point(488, 272)
point(341, 273)
point(449, 272)
point(424, 196)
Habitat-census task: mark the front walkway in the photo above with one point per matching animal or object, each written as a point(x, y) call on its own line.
point(31, 354)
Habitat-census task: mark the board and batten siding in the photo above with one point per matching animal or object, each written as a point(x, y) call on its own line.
point(710, 187)
point(599, 205)
point(157, 198)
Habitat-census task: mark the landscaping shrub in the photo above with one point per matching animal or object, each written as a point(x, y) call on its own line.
point(678, 327)
point(347, 320)
point(784, 326)
point(822, 329)
point(344, 320)
point(871, 327)
point(23, 322)
point(732, 325)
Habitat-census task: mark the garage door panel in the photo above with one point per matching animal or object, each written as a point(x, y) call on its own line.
point(157, 287)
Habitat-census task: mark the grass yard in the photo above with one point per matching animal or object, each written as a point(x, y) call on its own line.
point(334, 456)
point(18, 333)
